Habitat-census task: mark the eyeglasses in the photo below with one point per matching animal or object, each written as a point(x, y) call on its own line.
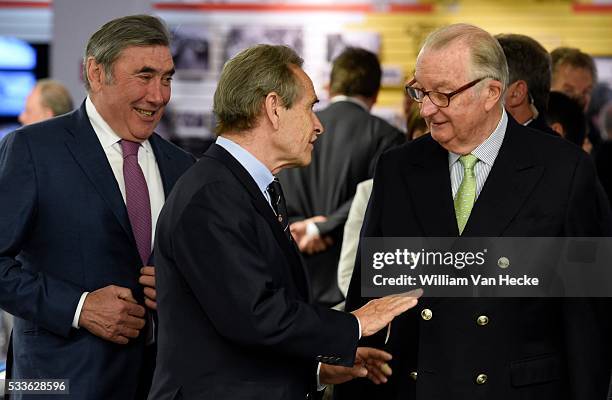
point(439, 99)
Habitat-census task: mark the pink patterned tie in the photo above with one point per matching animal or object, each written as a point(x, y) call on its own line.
point(137, 199)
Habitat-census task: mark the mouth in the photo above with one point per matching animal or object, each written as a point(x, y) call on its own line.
point(144, 113)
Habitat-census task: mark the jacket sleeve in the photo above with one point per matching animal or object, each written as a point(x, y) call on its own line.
point(27, 294)
point(224, 249)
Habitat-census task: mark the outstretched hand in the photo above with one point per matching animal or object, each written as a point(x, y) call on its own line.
point(377, 313)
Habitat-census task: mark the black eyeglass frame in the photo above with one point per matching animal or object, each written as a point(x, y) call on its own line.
point(412, 92)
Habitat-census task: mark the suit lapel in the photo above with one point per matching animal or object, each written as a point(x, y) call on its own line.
point(217, 152)
point(428, 179)
point(167, 170)
point(88, 153)
point(513, 177)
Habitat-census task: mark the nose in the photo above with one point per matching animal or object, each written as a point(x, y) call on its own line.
point(318, 126)
point(428, 108)
point(157, 93)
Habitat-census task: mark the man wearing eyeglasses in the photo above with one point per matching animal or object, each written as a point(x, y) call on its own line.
point(515, 182)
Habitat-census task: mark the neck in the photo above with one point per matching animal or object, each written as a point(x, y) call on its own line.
point(251, 142)
point(522, 114)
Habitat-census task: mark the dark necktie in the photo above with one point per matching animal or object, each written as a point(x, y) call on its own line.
point(278, 204)
point(137, 199)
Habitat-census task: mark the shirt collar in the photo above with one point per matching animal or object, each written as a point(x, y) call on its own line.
point(487, 151)
point(350, 99)
point(106, 135)
point(258, 171)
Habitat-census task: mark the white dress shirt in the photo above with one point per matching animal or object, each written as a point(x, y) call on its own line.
point(111, 145)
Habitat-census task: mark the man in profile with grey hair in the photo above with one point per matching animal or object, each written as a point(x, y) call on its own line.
point(235, 314)
point(48, 99)
point(81, 196)
point(481, 174)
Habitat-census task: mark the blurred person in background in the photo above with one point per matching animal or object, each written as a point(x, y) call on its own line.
point(48, 99)
point(319, 196)
point(526, 97)
point(574, 73)
point(566, 117)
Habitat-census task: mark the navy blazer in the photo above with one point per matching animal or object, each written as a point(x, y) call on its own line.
point(64, 230)
point(232, 295)
point(539, 186)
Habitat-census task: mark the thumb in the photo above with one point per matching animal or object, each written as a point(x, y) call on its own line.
point(126, 294)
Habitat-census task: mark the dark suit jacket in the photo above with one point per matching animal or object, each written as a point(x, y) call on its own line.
point(539, 186)
point(65, 230)
point(234, 322)
point(343, 156)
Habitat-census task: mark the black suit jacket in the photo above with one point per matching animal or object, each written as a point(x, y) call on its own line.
point(64, 229)
point(539, 186)
point(232, 295)
point(343, 156)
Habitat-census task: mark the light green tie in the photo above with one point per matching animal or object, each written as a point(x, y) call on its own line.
point(466, 195)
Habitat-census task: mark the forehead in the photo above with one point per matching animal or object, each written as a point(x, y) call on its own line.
point(308, 92)
point(573, 75)
point(442, 67)
point(158, 57)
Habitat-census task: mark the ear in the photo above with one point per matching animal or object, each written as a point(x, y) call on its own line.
point(272, 105)
point(493, 93)
point(48, 113)
point(557, 127)
point(517, 93)
point(95, 74)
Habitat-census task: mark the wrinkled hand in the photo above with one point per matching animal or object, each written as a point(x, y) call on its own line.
point(147, 279)
point(113, 314)
point(369, 362)
point(377, 313)
point(309, 244)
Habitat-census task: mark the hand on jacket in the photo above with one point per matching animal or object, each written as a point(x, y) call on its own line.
point(113, 314)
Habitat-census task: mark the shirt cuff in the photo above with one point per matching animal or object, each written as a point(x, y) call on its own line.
point(312, 229)
point(359, 326)
point(77, 313)
point(319, 386)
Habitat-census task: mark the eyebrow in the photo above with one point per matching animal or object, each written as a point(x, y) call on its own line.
point(151, 70)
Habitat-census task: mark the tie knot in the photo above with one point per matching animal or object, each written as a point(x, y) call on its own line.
point(129, 148)
point(468, 161)
point(274, 187)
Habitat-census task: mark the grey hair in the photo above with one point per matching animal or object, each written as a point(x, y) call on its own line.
point(487, 57)
point(247, 78)
point(54, 96)
point(107, 43)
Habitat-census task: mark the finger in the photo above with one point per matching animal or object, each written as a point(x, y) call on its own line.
point(148, 270)
point(376, 376)
point(126, 294)
point(132, 322)
point(130, 333)
point(151, 304)
point(386, 369)
point(119, 339)
point(135, 309)
point(369, 354)
point(416, 293)
point(150, 293)
point(147, 280)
